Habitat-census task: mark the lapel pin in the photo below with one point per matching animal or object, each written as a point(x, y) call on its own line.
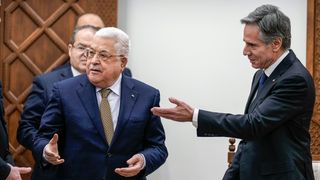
point(273, 80)
point(132, 95)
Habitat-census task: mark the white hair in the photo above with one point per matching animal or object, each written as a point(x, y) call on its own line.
point(122, 44)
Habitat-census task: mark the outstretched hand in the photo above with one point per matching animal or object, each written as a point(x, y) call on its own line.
point(181, 113)
point(51, 152)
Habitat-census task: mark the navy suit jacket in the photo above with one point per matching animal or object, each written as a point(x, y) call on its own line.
point(274, 128)
point(73, 113)
point(33, 110)
point(5, 156)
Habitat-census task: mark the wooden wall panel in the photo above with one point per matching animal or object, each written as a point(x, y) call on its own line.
point(313, 65)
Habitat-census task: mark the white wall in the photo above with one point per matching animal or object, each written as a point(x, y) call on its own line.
point(192, 50)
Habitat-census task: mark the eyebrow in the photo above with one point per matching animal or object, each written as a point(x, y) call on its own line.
point(83, 45)
point(102, 51)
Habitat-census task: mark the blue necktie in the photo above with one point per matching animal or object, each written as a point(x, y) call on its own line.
point(262, 79)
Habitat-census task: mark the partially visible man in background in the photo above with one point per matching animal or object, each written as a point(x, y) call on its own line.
point(7, 169)
point(89, 19)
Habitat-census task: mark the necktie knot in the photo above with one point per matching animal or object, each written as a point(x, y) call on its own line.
point(105, 92)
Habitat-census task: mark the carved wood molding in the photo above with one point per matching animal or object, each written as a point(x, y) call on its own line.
point(313, 65)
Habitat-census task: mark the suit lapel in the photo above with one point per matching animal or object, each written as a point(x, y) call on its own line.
point(254, 86)
point(87, 95)
point(272, 79)
point(127, 101)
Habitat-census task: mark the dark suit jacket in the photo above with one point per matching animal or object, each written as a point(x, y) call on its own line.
point(33, 110)
point(274, 128)
point(73, 113)
point(5, 156)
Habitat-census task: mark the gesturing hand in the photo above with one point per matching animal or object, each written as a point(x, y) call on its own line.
point(182, 112)
point(16, 171)
point(135, 166)
point(51, 152)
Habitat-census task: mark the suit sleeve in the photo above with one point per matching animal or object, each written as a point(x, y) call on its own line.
point(51, 123)
point(31, 116)
point(155, 151)
point(5, 155)
point(4, 169)
point(286, 100)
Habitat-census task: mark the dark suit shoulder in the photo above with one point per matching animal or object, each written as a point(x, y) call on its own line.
point(59, 74)
point(137, 84)
point(73, 82)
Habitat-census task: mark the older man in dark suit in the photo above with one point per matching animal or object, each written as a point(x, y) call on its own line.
point(275, 126)
point(103, 119)
point(7, 169)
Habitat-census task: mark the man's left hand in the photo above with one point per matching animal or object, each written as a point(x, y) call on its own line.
point(135, 166)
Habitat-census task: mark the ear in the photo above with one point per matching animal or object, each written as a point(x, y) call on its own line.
point(69, 49)
point(124, 62)
point(276, 44)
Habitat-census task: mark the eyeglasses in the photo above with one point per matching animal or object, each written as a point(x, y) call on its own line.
point(103, 55)
point(80, 48)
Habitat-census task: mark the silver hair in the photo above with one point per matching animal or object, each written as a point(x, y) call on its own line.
point(122, 44)
point(272, 24)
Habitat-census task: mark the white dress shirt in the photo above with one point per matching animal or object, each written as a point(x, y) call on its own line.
point(113, 99)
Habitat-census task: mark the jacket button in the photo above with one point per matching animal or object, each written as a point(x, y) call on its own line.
point(109, 154)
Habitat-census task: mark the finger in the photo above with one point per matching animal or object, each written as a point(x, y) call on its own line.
point(175, 101)
point(54, 139)
point(52, 159)
point(24, 170)
point(57, 161)
point(128, 171)
point(50, 154)
point(162, 111)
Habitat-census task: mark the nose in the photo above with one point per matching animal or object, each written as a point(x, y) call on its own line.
point(95, 59)
point(246, 51)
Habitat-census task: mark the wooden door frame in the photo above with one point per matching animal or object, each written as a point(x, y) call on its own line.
point(313, 65)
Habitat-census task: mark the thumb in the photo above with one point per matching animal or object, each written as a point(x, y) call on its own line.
point(54, 139)
point(134, 159)
point(175, 101)
point(24, 170)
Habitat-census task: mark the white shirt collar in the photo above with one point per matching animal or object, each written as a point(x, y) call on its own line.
point(75, 72)
point(115, 86)
point(273, 66)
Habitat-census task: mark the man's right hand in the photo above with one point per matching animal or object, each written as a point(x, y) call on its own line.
point(16, 171)
point(51, 152)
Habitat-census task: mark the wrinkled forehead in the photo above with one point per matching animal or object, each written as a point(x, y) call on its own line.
point(84, 34)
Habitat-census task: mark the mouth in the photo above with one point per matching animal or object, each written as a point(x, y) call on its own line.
point(95, 70)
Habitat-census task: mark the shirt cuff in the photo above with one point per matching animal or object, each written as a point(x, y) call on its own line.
point(195, 117)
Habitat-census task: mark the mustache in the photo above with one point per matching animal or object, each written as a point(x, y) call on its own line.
point(93, 67)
